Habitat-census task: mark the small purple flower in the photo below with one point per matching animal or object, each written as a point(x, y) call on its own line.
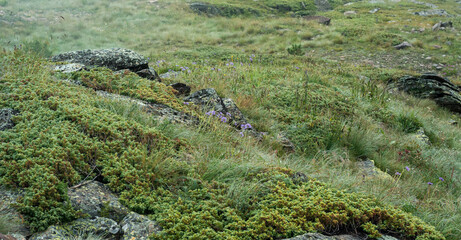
point(229, 114)
point(429, 183)
point(241, 63)
point(297, 68)
point(231, 63)
point(241, 134)
point(219, 69)
point(407, 168)
point(212, 68)
point(251, 59)
point(212, 113)
point(224, 119)
point(397, 173)
point(247, 126)
point(186, 103)
point(194, 63)
point(227, 64)
point(441, 179)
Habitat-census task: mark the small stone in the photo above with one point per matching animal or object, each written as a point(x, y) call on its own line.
point(437, 47)
point(375, 10)
point(428, 58)
point(349, 14)
point(452, 122)
point(69, 68)
point(403, 45)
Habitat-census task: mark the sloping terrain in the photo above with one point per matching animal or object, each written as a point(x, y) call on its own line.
point(332, 148)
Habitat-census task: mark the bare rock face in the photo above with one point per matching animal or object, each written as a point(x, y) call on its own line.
point(135, 226)
point(94, 199)
point(431, 86)
point(6, 114)
point(114, 59)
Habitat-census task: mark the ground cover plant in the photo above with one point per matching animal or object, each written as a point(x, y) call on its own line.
point(324, 87)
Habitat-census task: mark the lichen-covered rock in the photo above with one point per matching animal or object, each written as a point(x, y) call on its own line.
point(6, 114)
point(311, 236)
point(115, 59)
point(171, 74)
point(6, 237)
point(135, 226)
point(69, 68)
point(421, 138)
point(368, 169)
point(432, 12)
point(16, 222)
point(104, 227)
point(95, 199)
point(403, 45)
point(285, 142)
point(431, 86)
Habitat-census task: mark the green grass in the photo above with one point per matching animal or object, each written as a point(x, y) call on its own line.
point(329, 98)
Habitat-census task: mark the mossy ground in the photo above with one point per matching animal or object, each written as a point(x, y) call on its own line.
point(331, 101)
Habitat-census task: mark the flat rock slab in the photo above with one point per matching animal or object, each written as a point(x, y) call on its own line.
point(114, 59)
point(432, 12)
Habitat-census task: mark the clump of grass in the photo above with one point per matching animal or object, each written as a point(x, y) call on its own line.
point(408, 122)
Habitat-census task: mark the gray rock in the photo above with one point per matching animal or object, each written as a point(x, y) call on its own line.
point(320, 19)
point(318, 236)
point(323, 5)
point(18, 236)
point(95, 199)
point(135, 226)
point(16, 222)
point(432, 12)
point(311, 236)
point(69, 68)
point(103, 227)
point(171, 74)
point(375, 10)
point(114, 59)
point(6, 237)
point(431, 86)
point(452, 122)
point(6, 114)
point(442, 26)
point(283, 140)
point(349, 14)
point(403, 45)
point(425, 4)
point(204, 8)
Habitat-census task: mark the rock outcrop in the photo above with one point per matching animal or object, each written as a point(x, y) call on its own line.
point(16, 222)
point(431, 86)
point(6, 114)
point(95, 199)
point(135, 226)
point(114, 59)
point(432, 12)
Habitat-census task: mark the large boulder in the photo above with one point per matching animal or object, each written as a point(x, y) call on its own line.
point(114, 58)
point(135, 226)
point(95, 199)
point(6, 114)
point(431, 86)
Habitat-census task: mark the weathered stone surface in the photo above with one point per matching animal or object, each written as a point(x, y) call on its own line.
point(115, 59)
point(95, 199)
point(421, 138)
point(320, 19)
point(149, 73)
point(135, 226)
point(18, 236)
point(181, 88)
point(171, 74)
point(69, 68)
point(431, 86)
point(6, 237)
point(6, 114)
point(285, 142)
point(16, 220)
point(368, 169)
point(442, 26)
point(83, 228)
point(311, 236)
point(374, 10)
point(432, 12)
point(204, 8)
point(403, 45)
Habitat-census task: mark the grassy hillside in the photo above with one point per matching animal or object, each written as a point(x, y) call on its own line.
point(328, 96)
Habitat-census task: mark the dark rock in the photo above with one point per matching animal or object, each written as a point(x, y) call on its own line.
point(442, 25)
point(320, 19)
point(299, 177)
point(114, 59)
point(15, 222)
point(95, 199)
point(6, 114)
point(322, 5)
point(83, 228)
point(181, 88)
point(149, 73)
point(204, 8)
point(135, 226)
point(432, 12)
point(403, 45)
point(431, 86)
